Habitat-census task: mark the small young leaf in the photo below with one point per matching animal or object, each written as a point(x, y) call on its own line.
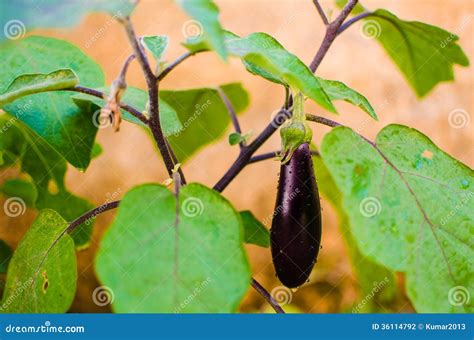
point(191, 262)
point(203, 114)
point(235, 138)
point(53, 116)
point(205, 25)
point(388, 195)
point(254, 231)
point(157, 45)
point(27, 84)
point(42, 273)
point(5, 256)
point(96, 150)
point(337, 90)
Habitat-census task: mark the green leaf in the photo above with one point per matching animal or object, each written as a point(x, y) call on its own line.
point(27, 84)
point(138, 98)
point(53, 116)
point(254, 231)
point(205, 25)
point(193, 262)
point(203, 114)
point(21, 188)
point(21, 15)
point(157, 45)
point(5, 256)
point(42, 278)
point(374, 280)
point(235, 138)
point(337, 90)
point(47, 170)
point(392, 196)
point(96, 150)
point(425, 54)
point(263, 55)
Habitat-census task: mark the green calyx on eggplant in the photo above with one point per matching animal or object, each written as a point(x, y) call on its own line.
point(296, 227)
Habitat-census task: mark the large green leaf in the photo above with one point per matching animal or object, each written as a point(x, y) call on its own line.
point(203, 114)
point(425, 54)
point(53, 116)
point(160, 256)
point(410, 206)
point(377, 284)
point(206, 24)
point(27, 84)
point(46, 169)
point(42, 278)
point(138, 98)
point(21, 15)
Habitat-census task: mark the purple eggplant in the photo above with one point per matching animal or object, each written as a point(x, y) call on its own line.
point(296, 226)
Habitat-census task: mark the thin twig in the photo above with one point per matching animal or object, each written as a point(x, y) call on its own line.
point(321, 12)
point(154, 121)
point(232, 114)
point(331, 34)
point(130, 109)
point(247, 152)
point(322, 120)
point(267, 296)
point(172, 65)
point(271, 155)
point(124, 70)
point(92, 214)
point(353, 20)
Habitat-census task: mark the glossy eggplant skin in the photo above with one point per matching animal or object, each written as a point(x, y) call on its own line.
point(296, 227)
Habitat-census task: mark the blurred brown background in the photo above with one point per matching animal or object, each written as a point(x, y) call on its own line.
point(360, 63)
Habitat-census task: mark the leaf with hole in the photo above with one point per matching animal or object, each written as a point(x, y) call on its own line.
point(42, 273)
point(388, 195)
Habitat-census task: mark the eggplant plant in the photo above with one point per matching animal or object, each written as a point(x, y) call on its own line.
point(405, 206)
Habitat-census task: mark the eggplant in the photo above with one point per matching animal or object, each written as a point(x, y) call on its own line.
point(296, 226)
